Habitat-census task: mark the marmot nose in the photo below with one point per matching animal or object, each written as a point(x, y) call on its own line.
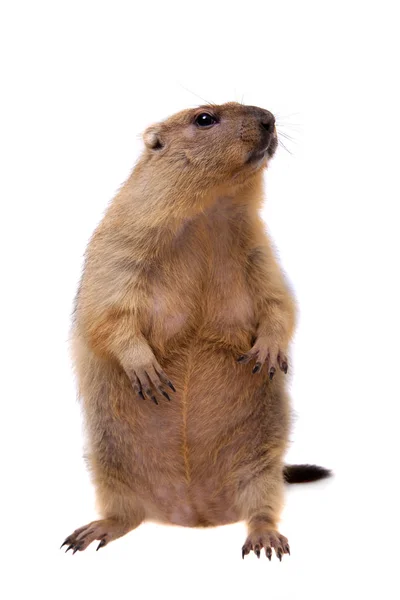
point(268, 121)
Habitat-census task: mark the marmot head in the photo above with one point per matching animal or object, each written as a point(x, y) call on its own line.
point(212, 145)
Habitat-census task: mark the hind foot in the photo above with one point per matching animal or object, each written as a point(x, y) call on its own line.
point(105, 530)
point(267, 539)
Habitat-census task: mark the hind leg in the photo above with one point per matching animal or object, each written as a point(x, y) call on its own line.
point(261, 503)
point(121, 511)
point(104, 530)
point(263, 533)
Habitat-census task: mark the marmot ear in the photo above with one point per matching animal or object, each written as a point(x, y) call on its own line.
point(152, 138)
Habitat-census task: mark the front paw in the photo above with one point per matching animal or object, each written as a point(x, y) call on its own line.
point(266, 352)
point(148, 380)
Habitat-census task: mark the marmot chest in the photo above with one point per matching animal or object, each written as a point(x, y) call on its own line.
point(204, 285)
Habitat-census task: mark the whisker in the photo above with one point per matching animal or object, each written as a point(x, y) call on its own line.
point(289, 125)
point(283, 146)
point(284, 120)
point(288, 137)
point(280, 116)
point(197, 95)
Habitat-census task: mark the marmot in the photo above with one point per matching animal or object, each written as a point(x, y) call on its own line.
point(180, 337)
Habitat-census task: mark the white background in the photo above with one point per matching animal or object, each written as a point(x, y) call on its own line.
point(80, 81)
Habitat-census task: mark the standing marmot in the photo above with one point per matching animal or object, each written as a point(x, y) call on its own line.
point(180, 338)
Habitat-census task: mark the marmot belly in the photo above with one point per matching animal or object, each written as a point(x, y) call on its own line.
point(188, 458)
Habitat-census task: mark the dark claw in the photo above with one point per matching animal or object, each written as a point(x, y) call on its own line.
point(69, 547)
point(166, 395)
point(150, 395)
point(171, 386)
point(243, 553)
point(268, 552)
point(77, 547)
point(257, 551)
point(271, 373)
point(257, 368)
point(141, 394)
point(245, 358)
point(101, 545)
point(287, 549)
point(284, 367)
point(64, 543)
point(279, 553)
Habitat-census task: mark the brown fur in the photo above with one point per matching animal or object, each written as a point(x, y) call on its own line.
point(179, 281)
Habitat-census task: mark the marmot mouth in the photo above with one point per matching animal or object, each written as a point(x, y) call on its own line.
point(257, 155)
point(266, 151)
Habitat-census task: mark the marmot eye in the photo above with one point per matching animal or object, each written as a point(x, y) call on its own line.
point(205, 120)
